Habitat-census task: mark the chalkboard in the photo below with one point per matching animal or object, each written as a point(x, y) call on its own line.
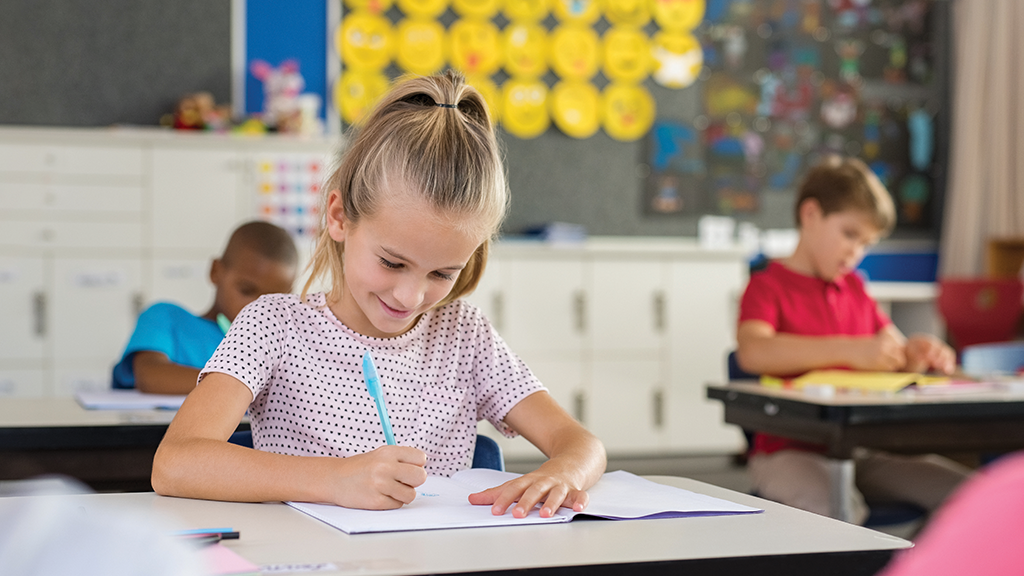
point(114, 61)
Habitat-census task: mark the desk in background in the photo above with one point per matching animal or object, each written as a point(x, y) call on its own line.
point(106, 449)
point(901, 423)
point(781, 540)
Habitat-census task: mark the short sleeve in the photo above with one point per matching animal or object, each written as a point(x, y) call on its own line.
point(254, 345)
point(153, 332)
point(502, 378)
point(760, 301)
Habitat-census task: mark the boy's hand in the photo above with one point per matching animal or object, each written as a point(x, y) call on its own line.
point(538, 487)
point(926, 352)
point(383, 479)
point(885, 352)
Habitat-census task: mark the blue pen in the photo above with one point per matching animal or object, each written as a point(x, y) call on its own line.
point(377, 393)
point(223, 323)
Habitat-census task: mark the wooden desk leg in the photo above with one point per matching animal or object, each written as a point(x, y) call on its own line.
point(842, 487)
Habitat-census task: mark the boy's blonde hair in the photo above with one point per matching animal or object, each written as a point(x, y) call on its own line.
point(838, 183)
point(428, 135)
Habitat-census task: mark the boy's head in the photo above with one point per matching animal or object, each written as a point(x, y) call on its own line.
point(841, 209)
point(838, 184)
point(260, 258)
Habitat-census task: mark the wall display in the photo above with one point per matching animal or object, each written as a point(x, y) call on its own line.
point(787, 81)
point(532, 51)
point(287, 190)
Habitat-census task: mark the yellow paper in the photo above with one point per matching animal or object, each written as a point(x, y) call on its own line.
point(865, 381)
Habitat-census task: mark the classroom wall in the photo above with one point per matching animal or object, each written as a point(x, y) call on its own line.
point(128, 61)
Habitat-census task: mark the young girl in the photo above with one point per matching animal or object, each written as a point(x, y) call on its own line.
point(407, 218)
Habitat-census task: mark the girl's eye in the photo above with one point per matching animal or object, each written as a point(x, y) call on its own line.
point(390, 265)
point(444, 276)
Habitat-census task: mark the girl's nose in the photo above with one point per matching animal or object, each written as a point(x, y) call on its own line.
point(409, 293)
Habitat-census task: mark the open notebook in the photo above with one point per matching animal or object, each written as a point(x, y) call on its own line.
point(443, 503)
point(128, 400)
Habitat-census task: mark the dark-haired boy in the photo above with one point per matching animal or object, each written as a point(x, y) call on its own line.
point(170, 344)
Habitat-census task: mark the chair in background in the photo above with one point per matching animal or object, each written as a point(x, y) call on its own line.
point(487, 454)
point(980, 310)
point(879, 513)
point(1002, 358)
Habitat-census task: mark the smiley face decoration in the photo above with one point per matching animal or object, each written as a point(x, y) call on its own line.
point(577, 65)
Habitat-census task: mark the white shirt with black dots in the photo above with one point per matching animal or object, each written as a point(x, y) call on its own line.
point(304, 368)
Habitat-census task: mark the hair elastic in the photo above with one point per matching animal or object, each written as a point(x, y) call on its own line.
point(447, 105)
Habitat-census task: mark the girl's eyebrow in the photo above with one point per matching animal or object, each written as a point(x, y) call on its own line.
point(398, 256)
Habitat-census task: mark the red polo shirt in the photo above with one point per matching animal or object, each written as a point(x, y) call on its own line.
point(796, 304)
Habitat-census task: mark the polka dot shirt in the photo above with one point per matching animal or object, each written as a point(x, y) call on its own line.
point(304, 368)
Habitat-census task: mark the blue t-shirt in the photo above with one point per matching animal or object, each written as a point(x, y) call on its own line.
point(184, 337)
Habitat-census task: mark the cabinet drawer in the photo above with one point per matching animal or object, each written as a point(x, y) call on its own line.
point(42, 234)
point(84, 160)
point(15, 383)
point(79, 198)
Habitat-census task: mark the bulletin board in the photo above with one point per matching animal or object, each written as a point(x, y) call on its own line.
point(774, 85)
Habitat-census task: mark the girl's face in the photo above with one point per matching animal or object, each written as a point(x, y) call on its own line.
point(398, 263)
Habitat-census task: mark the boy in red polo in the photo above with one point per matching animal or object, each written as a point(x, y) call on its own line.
point(811, 311)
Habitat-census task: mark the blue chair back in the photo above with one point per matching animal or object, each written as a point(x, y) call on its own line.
point(486, 455)
point(993, 359)
point(734, 370)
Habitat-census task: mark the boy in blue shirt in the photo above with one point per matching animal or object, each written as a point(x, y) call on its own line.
point(170, 344)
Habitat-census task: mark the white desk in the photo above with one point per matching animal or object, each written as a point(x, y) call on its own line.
point(107, 449)
point(781, 540)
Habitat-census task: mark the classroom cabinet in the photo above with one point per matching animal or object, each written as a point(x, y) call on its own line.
point(96, 225)
point(624, 339)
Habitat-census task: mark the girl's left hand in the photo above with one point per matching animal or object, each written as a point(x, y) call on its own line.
point(551, 490)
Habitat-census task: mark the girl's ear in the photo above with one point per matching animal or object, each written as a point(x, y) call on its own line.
point(337, 225)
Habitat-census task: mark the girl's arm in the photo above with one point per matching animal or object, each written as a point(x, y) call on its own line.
point(762, 350)
point(576, 461)
point(195, 460)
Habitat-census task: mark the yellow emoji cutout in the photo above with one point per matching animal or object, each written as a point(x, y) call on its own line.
point(574, 51)
point(574, 108)
point(371, 6)
point(626, 54)
point(357, 92)
point(524, 109)
point(576, 11)
point(476, 8)
point(526, 10)
point(365, 41)
point(475, 47)
point(678, 15)
point(492, 95)
point(526, 50)
point(627, 12)
point(678, 59)
point(423, 8)
point(627, 111)
point(420, 46)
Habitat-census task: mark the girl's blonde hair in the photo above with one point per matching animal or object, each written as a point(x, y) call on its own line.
point(428, 135)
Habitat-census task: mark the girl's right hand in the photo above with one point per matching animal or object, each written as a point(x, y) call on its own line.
point(383, 479)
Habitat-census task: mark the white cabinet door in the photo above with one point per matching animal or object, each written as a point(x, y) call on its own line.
point(627, 300)
point(625, 406)
point(703, 309)
point(21, 382)
point(22, 309)
point(489, 296)
point(95, 305)
point(196, 198)
point(181, 281)
point(545, 306)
